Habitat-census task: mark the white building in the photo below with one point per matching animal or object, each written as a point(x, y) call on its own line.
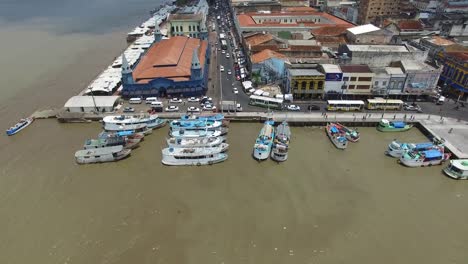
point(88, 104)
point(333, 78)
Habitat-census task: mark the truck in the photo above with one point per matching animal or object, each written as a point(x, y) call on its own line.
point(230, 106)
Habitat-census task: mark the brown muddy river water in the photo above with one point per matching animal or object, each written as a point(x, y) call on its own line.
point(321, 206)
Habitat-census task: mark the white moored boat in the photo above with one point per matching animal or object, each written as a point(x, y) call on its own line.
point(195, 133)
point(281, 142)
point(195, 124)
point(105, 154)
point(194, 156)
point(130, 122)
point(22, 124)
point(396, 149)
point(195, 142)
point(424, 158)
point(457, 169)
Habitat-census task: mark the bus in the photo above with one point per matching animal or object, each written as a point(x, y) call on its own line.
point(262, 101)
point(384, 104)
point(223, 44)
point(345, 105)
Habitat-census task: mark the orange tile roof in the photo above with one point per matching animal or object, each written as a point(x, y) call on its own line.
point(441, 41)
point(410, 25)
point(258, 39)
point(330, 30)
point(170, 58)
point(265, 55)
point(245, 20)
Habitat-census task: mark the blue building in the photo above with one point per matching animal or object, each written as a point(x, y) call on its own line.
point(172, 67)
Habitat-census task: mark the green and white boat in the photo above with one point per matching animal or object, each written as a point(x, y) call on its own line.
point(398, 126)
point(457, 169)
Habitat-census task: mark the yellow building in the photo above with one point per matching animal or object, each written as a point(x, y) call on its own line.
point(454, 76)
point(305, 83)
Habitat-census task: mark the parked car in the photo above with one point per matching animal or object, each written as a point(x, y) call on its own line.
point(193, 99)
point(209, 107)
point(175, 100)
point(221, 68)
point(206, 99)
point(313, 107)
point(293, 107)
point(193, 109)
point(128, 110)
point(413, 107)
point(172, 108)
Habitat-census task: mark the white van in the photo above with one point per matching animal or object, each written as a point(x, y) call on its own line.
point(135, 100)
point(149, 100)
point(157, 106)
point(441, 100)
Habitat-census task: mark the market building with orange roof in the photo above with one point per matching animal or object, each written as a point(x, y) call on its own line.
point(290, 19)
point(172, 67)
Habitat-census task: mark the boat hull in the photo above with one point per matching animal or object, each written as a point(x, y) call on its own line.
point(170, 161)
point(423, 163)
point(278, 156)
point(334, 139)
point(393, 129)
point(157, 124)
point(102, 159)
point(454, 175)
point(259, 154)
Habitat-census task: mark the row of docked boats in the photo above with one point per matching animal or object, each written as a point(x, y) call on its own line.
point(196, 140)
point(272, 142)
point(339, 135)
point(121, 134)
point(424, 154)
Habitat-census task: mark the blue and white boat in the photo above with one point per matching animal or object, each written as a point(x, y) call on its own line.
point(128, 122)
point(22, 124)
point(424, 158)
point(217, 117)
point(195, 124)
point(337, 137)
point(195, 133)
point(264, 141)
point(396, 149)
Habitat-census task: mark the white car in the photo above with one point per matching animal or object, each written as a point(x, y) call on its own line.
point(175, 100)
point(294, 108)
point(221, 68)
point(234, 89)
point(209, 107)
point(193, 99)
point(227, 55)
point(238, 108)
point(229, 72)
point(172, 108)
point(193, 109)
point(223, 51)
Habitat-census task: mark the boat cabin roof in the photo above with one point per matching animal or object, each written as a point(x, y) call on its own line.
point(462, 164)
point(424, 145)
point(399, 124)
point(432, 153)
point(98, 151)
